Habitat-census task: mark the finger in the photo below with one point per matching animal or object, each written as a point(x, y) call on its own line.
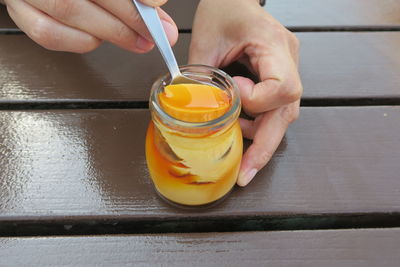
point(248, 128)
point(169, 26)
point(262, 148)
point(245, 86)
point(48, 32)
point(280, 83)
point(267, 138)
point(154, 3)
point(127, 13)
point(89, 17)
point(294, 46)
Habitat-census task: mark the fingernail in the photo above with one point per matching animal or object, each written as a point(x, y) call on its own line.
point(246, 177)
point(170, 30)
point(143, 44)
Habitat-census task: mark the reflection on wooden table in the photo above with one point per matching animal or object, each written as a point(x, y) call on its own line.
point(72, 131)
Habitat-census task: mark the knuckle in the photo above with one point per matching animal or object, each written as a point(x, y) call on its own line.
point(297, 91)
point(88, 45)
point(41, 33)
point(121, 33)
point(290, 113)
point(62, 9)
point(291, 88)
point(291, 91)
point(263, 158)
point(280, 33)
point(294, 40)
point(136, 18)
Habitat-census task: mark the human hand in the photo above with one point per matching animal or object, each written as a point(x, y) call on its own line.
point(81, 26)
point(244, 31)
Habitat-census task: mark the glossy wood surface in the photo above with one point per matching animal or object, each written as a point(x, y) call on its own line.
point(333, 66)
point(350, 65)
point(293, 13)
point(368, 247)
point(311, 13)
point(75, 189)
point(62, 164)
point(336, 13)
point(29, 72)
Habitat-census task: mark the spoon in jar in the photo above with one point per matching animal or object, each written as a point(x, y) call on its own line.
point(153, 23)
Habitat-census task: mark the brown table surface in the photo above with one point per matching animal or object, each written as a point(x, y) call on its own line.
point(75, 190)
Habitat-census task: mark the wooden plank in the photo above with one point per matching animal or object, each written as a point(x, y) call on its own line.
point(367, 247)
point(307, 13)
point(335, 13)
point(350, 65)
point(30, 72)
point(90, 165)
point(310, 13)
point(182, 11)
point(333, 66)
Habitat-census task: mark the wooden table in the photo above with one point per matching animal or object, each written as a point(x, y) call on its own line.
point(74, 188)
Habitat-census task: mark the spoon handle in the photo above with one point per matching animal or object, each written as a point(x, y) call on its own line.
point(153, 23)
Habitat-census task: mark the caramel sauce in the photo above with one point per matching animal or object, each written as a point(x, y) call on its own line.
point(194, 102)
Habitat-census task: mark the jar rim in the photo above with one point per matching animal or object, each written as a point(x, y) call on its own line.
point(231, 115)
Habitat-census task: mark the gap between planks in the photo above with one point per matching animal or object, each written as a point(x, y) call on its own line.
point(85, 104)
point(371, 28)
point(125, 225)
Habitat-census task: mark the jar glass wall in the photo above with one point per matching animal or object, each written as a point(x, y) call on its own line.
point(194, 163)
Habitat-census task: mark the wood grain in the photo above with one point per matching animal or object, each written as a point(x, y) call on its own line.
point(182, 12)
point(368, 247)
point(350, 65)
point(310, 13)
point(291, 13)
point(332, 66)
point(90, 165)
point(29, 72)
point(335, 13)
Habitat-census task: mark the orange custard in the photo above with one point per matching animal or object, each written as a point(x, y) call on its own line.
point(191, 169)
point(194, 102)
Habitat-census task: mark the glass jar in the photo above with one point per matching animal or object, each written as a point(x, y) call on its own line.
point(194, 163)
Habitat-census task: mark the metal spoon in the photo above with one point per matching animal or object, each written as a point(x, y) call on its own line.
point(153, 23)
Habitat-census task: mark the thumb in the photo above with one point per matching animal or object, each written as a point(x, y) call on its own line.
point(154, 3)
point(202, 52)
